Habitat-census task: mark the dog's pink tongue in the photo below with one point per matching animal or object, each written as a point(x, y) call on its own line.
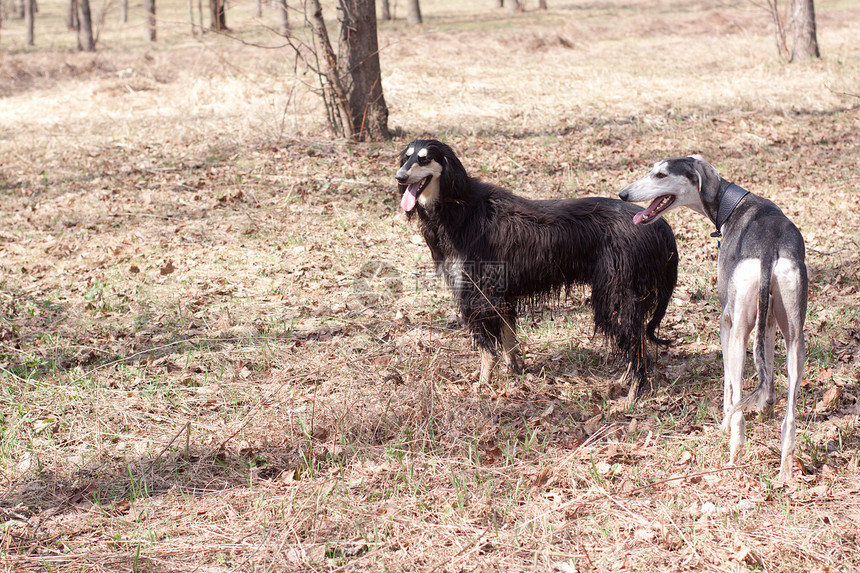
point(650, 211)
point(408, 201)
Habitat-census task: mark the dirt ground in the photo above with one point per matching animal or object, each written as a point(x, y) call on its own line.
point(223, 347)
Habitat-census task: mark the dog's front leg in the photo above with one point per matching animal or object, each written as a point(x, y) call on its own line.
point(511, 346)
point(488, 363)
point(725, 330)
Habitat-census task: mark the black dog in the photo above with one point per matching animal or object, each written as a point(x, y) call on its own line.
point(496, 250)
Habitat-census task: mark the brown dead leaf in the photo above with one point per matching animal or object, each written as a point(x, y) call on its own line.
point(83, 492)
point(167, 268)
point(825, 375)
point(818, 491)
point(381, 360)
point(685, 458)
point(799, 468)
point(542, 478)
point(830, 400)
point(320, 434)
point(134, 269)
point(492, 456)
point(616, 391)
point(741, 554)
point(593, 424)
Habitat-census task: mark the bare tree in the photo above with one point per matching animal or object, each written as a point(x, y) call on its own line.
point(351, 81)
point(334, 94)
point(123, 11)
point(385, 7)
point(801, 24)
point(283, 17)
point(86, 40)
point(413, 13)
point(29, 6)
point(72, 18)
point(149, 6)
point(358, 63)
point(804, 40)
point(219, 17)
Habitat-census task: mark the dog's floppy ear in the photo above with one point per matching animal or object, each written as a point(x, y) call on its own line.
point(699, 166)
point(454, 179)
point(697, 169)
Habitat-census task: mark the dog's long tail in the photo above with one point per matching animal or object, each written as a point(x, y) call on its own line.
point(760, 399)
point(665, 287)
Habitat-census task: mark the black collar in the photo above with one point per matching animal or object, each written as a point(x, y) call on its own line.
point(728, 199)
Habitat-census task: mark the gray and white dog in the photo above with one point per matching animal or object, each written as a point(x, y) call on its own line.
point(761, 282)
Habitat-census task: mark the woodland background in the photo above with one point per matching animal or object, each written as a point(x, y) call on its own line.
point(222, 346)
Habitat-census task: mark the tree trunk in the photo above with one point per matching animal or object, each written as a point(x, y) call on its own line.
point(72, 19)
point(149, 8)
point(258, 8)
point(514, 6)
point(219, 17)
point(358, 65)
point(28, 21)
point(86, 41)
point(200, 15)
point(283, 17)
point(804, 40)
point(542, 5)
point(337, 104)
point(191, 16)
point(123, 11)
point(385, 13)
point(413, 14)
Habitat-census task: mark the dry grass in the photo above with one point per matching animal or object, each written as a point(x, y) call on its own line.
point(222, 347)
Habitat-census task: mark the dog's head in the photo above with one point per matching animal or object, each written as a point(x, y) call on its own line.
point(676, 182)
point(429, 173)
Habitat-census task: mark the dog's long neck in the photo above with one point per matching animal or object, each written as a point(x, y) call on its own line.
point(729, 197)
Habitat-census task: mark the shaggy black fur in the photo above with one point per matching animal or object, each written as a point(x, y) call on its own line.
point(497, 250)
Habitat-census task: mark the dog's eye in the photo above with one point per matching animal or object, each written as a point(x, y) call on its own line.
point(659, 175)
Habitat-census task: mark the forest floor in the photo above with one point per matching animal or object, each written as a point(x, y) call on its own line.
point(223, 347)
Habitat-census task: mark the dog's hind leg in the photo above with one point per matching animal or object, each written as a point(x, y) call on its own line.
point(736, 322)
point(764, 365)
point(795, 357)
point(790, 299)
